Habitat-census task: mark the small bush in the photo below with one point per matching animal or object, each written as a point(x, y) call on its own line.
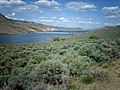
point(93, 37)
point(77, 65)
point(66, 47)
point(76, 48)
point(118, 42)
point(16, 71)
point(40, 86)
point(74, 83)
point(98, 56)
point(56, 39)
point(118, 74)
point(97, 75)
point(39, 58)
point(107, 65)
point(87, 79)
point(62, 52)
point(113, 43)
point(56, 88)
point(111, 51)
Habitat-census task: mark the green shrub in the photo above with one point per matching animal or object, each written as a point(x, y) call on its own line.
point(3, 80)
point(39, 58)
point(56, 88)
point(105, 44)
point(56, 39)
point(97, 74)
point(99, 56)
point(51, 71)
point(62, 52)
point(113, 43)
point(92, 50)
point(93, 37)
point(76, 48)
point(111, 51)
point(74, 83)
point(20, 62)
point(65, 47)
point(12, 81)
point(107, 64)
point(87, 49)
point(78, 64)
point(21, 80)
point(118, 42)
point(71, 54)
point(16, 71)
point(32, 63)
point(118, 74)
point(100, 52)
point(87, 79)
point(39, 86)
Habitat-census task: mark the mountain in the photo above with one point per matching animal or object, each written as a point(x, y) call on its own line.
point(9, 26)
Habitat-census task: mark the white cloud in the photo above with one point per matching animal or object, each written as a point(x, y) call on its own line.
point(12, 14)
point(79, 18)
point(112, 16)
point(42, 17)
point(88, 22)
point(111, 24)
point(47, 21)
point(111, 10)
point(12, 2)
point(80, 6)
point(62, 19)
point(48, 4)
point(53, 17)
point(26, 8)
point(43, 20)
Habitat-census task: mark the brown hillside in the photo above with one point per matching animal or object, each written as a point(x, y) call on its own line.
point(9, 26)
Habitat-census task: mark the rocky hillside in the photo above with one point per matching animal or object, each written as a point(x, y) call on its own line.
point(9, 26)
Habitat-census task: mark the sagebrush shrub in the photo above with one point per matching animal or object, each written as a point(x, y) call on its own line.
point(51, 71)
point(93, 37)
point(78, 64)
point(56, 39)
point(39, 58)
point(87, 49)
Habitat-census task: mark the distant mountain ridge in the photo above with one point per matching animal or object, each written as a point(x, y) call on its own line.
point(9, 26)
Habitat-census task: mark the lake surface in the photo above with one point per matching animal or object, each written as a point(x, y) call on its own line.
point(34, 37)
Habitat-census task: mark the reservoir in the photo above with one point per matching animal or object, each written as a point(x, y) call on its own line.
point(34, 37)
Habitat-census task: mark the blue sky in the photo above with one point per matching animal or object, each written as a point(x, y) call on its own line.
point(64, 13)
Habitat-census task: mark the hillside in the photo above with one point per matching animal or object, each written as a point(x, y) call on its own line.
point(9, 26)
point(89, 61)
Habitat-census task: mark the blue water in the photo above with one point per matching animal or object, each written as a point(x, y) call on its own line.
point(33, 37)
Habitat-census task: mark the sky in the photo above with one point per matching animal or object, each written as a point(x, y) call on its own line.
point(64, 13)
